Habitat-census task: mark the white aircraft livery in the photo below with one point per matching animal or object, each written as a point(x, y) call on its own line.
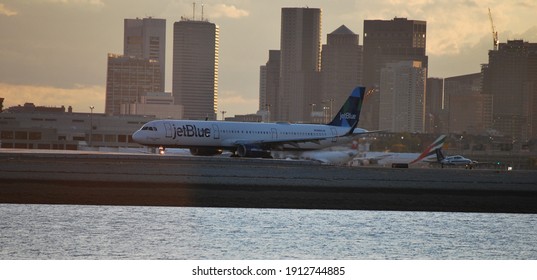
point(387, 158)
point(455, 160)
point(252, 139)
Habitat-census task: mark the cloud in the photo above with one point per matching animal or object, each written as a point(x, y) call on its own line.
point(79, 97)
point(223, 10)
point(6, 11)
point(96, 3)
point(526, 4)
point(454, 25)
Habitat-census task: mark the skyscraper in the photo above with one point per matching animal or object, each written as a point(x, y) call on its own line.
point(127, 79)
point(300, 46)
point(402, 98)
point(270, 84)
point(511, 78)
point(146, 38)
point(469, 111)
point(435, 117)
point(341, 67)
point(388, 41)
point(195, 68)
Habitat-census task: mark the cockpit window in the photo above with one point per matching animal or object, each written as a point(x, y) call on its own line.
point(152, 128)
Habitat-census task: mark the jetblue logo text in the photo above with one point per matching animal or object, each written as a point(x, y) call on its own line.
point(189, 130)
point(347, 116)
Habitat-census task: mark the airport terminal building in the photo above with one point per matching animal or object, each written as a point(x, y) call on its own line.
point(31, 127)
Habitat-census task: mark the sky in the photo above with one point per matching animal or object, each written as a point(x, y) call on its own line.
point(54, 52)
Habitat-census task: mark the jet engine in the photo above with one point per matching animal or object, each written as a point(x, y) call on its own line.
point(245, 150)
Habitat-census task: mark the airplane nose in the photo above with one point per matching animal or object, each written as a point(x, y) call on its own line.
point(136, 137)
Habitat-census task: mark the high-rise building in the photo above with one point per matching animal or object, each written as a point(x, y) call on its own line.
point(146, 38)
point(511, 78)
point(262, 87)
point(435, 117)
point(195, 68)
point(341, 69)
point(158, 104)
point(402, 98)
point(300, 46)
point(128, 78)
point(388, 41)
point(469, 110)
point(269, 85)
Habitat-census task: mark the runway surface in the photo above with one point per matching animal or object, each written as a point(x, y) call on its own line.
point(154, 180)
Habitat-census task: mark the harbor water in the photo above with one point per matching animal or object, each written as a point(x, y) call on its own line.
point(126, 232)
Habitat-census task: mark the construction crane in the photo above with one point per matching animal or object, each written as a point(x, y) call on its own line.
point(495, 41)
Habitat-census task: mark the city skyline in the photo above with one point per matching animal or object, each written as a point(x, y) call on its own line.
point(54, 52)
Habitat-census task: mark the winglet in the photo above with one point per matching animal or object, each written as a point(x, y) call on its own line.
point(349, 114)
point(431, 149)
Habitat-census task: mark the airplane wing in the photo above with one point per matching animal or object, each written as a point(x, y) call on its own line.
point(358, 132)
point(294, 142)
point(276, 143)
point(376, 157)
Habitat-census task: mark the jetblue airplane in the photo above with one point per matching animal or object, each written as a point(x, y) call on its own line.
point(252, 139)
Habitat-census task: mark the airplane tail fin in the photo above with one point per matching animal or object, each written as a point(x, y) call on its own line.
point(439, 155)
point(349, 114)
point(432, 149)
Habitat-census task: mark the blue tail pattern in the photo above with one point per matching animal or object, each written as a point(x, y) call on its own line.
point(349, 114)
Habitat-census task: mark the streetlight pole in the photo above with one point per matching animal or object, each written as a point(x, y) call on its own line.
point(91, 125)
point(311, 115)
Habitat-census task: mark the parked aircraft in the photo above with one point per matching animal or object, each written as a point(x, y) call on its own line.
point(389, 158)
point(337, 155)
point(252, 139)
point(455, 160)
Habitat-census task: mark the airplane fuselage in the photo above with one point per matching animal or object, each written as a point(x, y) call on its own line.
point(228, 135)
point(456, 160)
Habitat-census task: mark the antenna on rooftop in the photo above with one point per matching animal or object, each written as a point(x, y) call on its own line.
point(202, 11)
point(193, 10)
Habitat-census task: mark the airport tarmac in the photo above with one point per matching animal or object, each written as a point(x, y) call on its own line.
point(77, 177)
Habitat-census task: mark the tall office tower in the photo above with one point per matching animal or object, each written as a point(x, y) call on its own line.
point(341, 69)
point(146, 38)
point(387, 41)
point(532, 81)
point(269, 85)
point(469, 110)
point(402, 100)
point(435, 117)
point(511, 79)
point(127, 79)
point(262, 88)
point(300, 46)
point(195, 68)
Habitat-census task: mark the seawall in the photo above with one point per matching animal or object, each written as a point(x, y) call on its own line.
point(154, 180)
